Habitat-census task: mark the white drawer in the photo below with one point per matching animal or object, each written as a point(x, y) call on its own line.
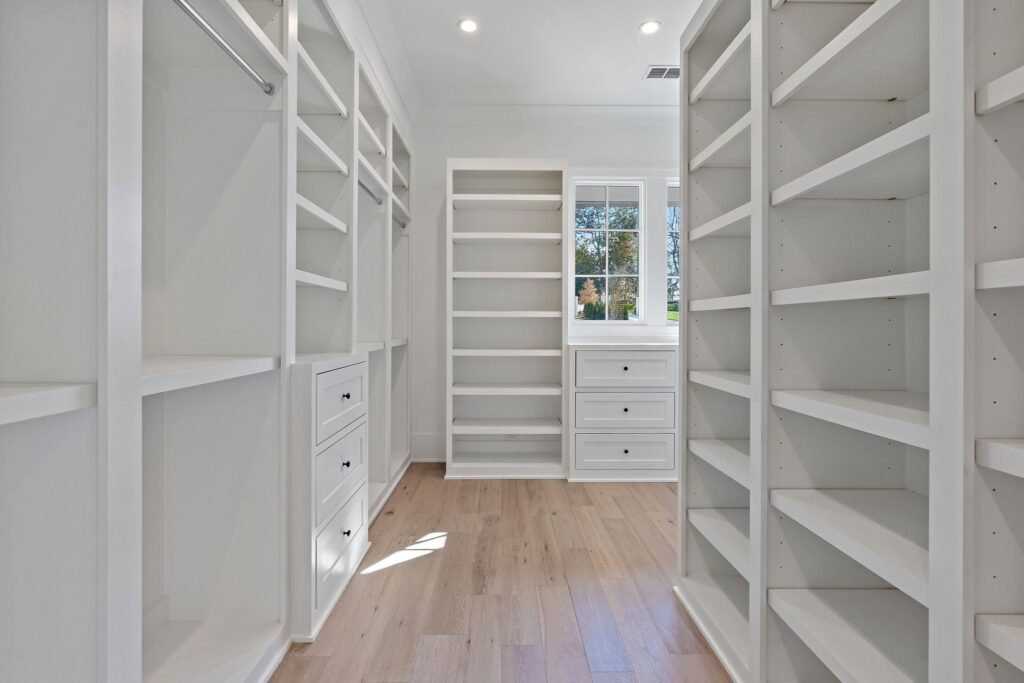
point(339, 470)
point(625, 451)
point(340, 399)
point(612, 410)
point(626, 368)
point(333, 564)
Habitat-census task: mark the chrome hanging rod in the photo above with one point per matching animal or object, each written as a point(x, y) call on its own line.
point(370, 192)
point(188, 9)
point(400, 223)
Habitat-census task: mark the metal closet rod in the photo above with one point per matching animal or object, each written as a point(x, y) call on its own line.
point(368, 191)
point(188, 9)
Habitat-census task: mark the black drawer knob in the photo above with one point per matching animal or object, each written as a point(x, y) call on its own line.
point(625, 368)
point(626, 451)
point(346, 533)
point(625, 410)
point(347, 463)
point(346, 395)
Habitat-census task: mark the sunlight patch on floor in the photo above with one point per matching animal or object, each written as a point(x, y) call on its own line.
point(422, 547)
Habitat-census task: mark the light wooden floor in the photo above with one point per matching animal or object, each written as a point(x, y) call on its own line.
point(477, 581)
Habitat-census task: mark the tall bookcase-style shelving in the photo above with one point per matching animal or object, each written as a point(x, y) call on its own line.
point(506, 319)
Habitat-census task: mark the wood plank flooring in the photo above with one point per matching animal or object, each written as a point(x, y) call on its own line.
point(512, 581)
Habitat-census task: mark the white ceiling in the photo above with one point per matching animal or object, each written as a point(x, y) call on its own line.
point(530, 52)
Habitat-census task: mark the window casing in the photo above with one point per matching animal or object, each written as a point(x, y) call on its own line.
point(672, 246)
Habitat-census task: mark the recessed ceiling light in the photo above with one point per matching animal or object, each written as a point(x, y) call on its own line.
point(649, 27)
point(468, 26)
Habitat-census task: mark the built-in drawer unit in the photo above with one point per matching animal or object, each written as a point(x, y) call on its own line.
point(346, 529)
point(340, 468)
point(621, 368)
point(613, 410)
point(340, 399)
point(625, 452)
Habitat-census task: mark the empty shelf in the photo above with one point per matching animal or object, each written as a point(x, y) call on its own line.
point(729, 77)
point(731, 457)
point(730, 381)
point(398, 178)
point(368, 135)
point(515, 389)
point(515, 202)
point(305, 279)
point(206, 651)
point(735, 223)
point(316, 96)
point(721, 303)
point(885, 287)
point(885, 530)
point(368, 346)
point(858, 63)
point(313, 154)
point(26, 401)
point(505, 238)
point(731, 149)
point(161, 374)
point(1000, 92)
point(506, 314)
point(506, 425)
point(999, 274)
point(728, 530)
point(508, 352)
point(514, 465)
point(712, 603)
point(861, 635)
point(899, 415)
point(367, 169)
point(1002, 455)
point(1002, 634)
point(505, 275)
point(399, 211)
point(398, 341)
point(310, 216)
point(893, 166)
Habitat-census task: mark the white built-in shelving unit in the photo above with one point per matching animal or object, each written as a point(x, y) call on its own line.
point(506, 319)
point(854, 326)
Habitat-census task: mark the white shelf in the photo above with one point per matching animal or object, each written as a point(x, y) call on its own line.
point(28, 401)
point(721, 303)
point(735, 223)
point(507, 238)
point(310, 216)
point(313, 154)
point(730, 381)
point(398, 341)
point(368, 346)
point(398, 178)
point(506, 314)
point(399, 211)
point(1003, 634)
point(509, 353)
point(858, 64)
point(898, 415)
point(206, 651)
point(507, 202)
point(256, 33)
point(729, 77)
point(731, 149)
point(885, 287)
point(161, 374)
point(505, 465)
point(728, 530)
point(505, 425)
point(1002, 455)
point(516, 389)
point(999, 274)
point(305, 279)
point(886, 530)
point(894, 165)
point(366, 167)
point(712, 603)
point(506, 275)
point(731, 457)
point(861, 635)
point(315, 94)
point(366, 133)
point(1003, 91)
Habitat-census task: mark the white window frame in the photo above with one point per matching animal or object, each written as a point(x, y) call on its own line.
point(673, 182)
point(653, 300)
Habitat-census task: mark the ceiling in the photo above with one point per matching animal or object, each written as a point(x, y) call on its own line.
point(531, 52)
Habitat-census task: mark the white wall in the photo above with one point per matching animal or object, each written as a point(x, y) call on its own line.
point(597, 145)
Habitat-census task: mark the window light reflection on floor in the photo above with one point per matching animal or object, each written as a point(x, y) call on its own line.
point(422, 547)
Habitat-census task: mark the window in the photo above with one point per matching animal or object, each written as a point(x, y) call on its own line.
point(672, 252)
point(608, 227)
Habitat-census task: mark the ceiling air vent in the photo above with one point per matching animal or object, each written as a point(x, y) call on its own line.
point(662, 72)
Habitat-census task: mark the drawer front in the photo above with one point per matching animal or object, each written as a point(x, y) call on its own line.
point(340, 399)
point(614, 410)
point(626, 369)
point(347, 528)
point(339, 470)
point(625, 452)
